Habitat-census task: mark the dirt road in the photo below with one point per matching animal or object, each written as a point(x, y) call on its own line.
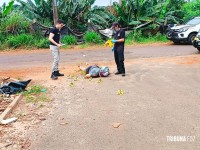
point(159, 109)
point(25, 59)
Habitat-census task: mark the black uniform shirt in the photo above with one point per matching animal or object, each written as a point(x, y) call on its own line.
point(119, 35)
point(56, 37)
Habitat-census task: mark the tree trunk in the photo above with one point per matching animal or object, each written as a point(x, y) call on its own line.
point(55, 12)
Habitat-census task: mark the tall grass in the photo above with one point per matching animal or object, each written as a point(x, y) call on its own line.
point(69, 40)
point(20, 40)
point(15, 23)
point(92, 37)
point(138, 37)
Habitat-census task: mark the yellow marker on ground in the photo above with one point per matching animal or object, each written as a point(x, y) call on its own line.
point(120, 92)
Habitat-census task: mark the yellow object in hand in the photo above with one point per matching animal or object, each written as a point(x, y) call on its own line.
point(109, 43)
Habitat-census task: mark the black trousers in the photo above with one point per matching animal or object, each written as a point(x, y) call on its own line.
point(119, 59)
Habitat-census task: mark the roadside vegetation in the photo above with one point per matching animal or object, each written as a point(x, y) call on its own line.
point(36, 94)
point(17, 30)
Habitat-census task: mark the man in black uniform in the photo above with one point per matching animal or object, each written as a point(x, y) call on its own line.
point(54, 38)
point(119, 40)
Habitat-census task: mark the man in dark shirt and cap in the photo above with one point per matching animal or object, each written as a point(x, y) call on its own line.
point(119, 40)
point(55, 44)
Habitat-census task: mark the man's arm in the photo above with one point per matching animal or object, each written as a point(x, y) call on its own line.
point(120, 40)
point(51, 35)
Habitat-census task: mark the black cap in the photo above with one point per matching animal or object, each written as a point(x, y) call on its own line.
point(114, 24)
point(59, 21)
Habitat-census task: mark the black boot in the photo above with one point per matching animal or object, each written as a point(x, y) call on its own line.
point(117, 73)
point(53, 76)
point(57, 73)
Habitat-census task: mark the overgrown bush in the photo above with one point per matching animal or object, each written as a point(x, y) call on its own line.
point(2, 37)
point(191, 10)
point(41, 43)
point(14, 23)
point(20, 40)
point(69, 40)
point(92, 37)
point(137, 36)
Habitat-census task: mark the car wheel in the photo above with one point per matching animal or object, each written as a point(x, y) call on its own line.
point(169, 35)
point(191, 38)
point(198, 49)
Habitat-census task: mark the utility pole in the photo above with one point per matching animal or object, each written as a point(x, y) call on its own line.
point(55, 11)
point(120, 2)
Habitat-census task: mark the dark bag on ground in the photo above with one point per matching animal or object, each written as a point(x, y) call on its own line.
point(14, 87)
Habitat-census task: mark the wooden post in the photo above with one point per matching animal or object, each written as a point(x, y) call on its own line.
point(55, 12)
point(120, 2)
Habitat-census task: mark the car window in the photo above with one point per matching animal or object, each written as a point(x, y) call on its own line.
point(194, 21)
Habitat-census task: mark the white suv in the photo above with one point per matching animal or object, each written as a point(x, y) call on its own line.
point(184, 33)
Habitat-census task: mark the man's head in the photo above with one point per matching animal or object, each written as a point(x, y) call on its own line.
point(60, 24)
point(115, 26)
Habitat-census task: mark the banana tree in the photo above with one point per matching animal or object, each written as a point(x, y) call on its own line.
point(6, 9)
point(100, 17)
point(77, 13)
point(168, 10)
point(131, 12)
point(191, 9)
point(37, 9)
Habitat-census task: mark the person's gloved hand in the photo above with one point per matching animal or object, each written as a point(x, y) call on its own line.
point(114, 41)
point(113, 49)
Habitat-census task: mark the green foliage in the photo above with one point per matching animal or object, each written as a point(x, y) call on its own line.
point(135, 36)
point(92, 37)
point(2, 41)
point(69, 40)
point(191, 9)
point(35, 94)
point(41, 43)
point(36, 89)
point(20, 40)
point(135, 12)
point(8, 8)
point(77, 14)
point(138, 37)
point(37, 9)
point(100, 17)
point(2, 37)
point(14, 23)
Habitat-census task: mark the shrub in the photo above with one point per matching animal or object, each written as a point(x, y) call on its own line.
point(191, 9)
point(15, 23)
point(69, 40)
point(161, 38)
point(41, 43)
point(135, 36)
point(2, 38)
point(92, 37)
point(20, 40)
